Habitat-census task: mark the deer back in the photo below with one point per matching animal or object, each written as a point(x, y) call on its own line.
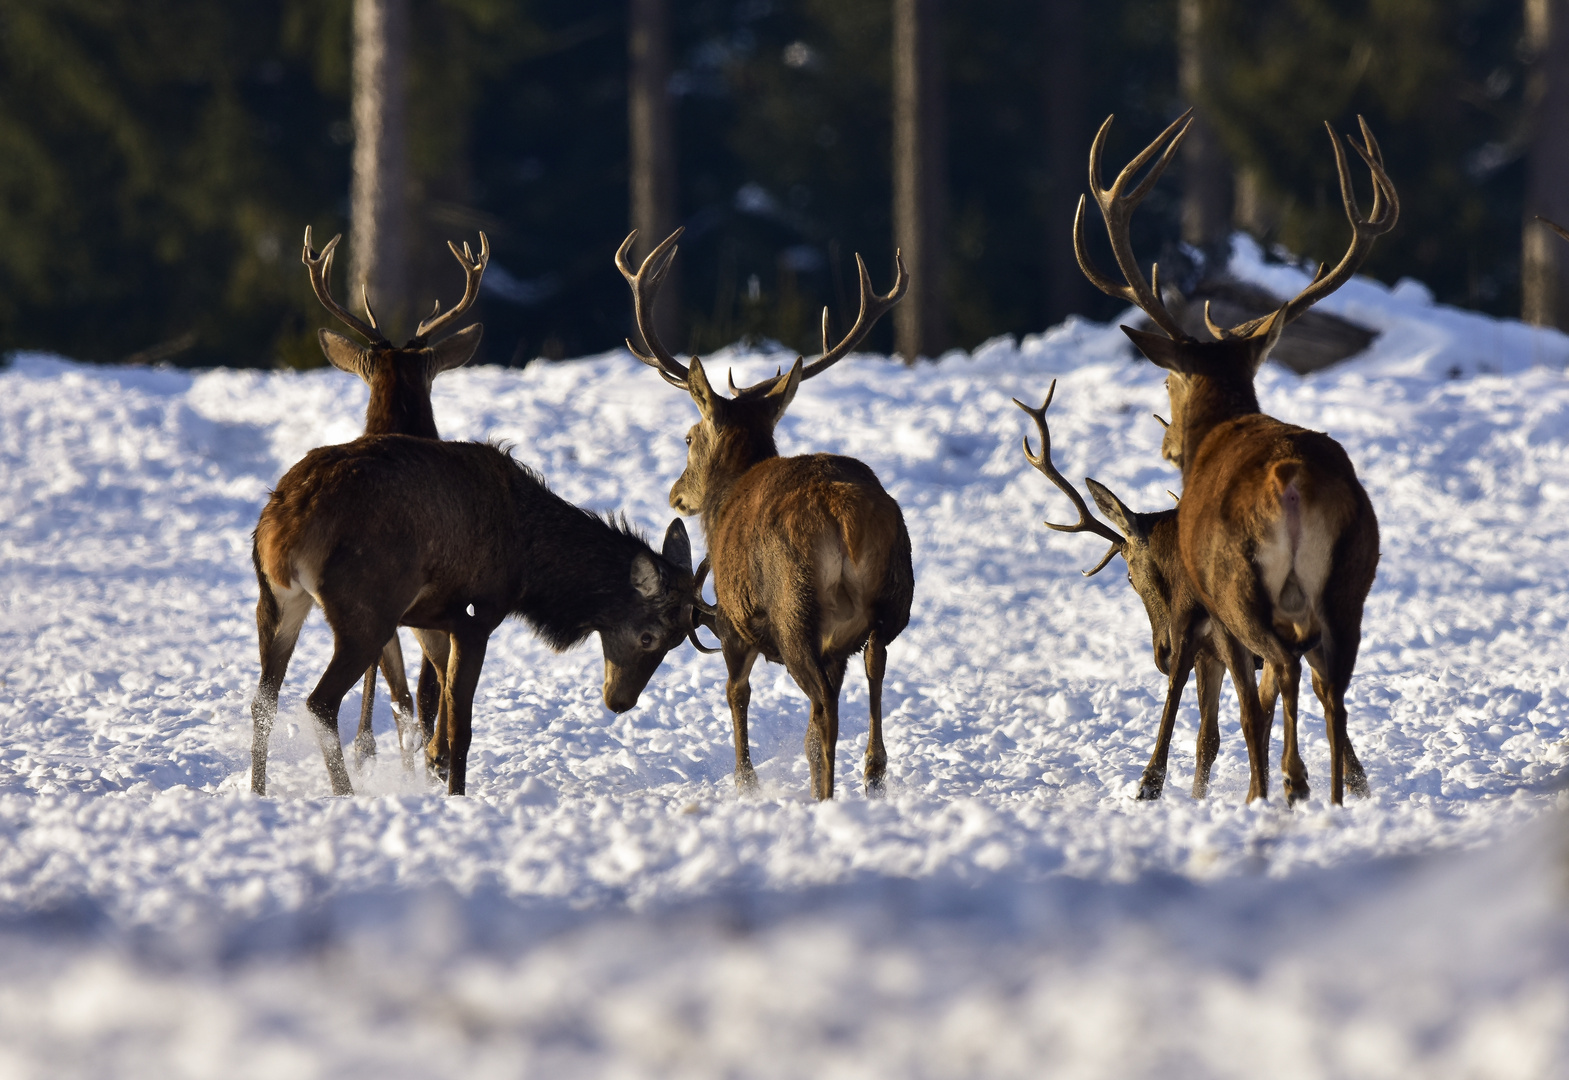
point(819, 525)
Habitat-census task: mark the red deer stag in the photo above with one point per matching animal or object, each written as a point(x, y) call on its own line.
point(810, 555)
point(450, 538)
point(1278, 536)
point(1179, 625)
point(399, 381)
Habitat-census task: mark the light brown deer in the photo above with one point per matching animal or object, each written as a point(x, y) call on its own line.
point(811, 557)
point(399, 381)
point(1179, 625)
point(450, 538)
point(1278, 536)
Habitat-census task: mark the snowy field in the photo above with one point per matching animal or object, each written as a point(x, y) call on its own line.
point(604, 904)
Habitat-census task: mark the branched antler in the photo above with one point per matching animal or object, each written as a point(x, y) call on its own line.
point(320, 268)
point(473, 271)
point(703, 613)
point(646, 282)
point(1087, 522)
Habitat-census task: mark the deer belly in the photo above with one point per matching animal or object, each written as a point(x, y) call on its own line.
point(842, 616)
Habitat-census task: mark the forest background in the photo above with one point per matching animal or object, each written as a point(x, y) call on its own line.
point(159, 161)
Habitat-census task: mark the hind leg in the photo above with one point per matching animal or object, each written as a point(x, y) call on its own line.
point(464, 662)
point(876, 655)
point(1344, 767)
point(279, 616)
point(1288, 679)
point(821, 680)
point(1208, 674)
point(393, 671)
point(739, 658)
point(365, 738)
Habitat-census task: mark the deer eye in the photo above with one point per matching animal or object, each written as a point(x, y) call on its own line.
point(647, 641)
point(689, 438)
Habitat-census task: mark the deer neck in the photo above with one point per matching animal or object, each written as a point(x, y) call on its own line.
point(1211, 402)
point(400, 405)
point(736, 451)
point(578, 575)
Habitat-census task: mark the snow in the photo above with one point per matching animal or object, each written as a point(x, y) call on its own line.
point(604, 903)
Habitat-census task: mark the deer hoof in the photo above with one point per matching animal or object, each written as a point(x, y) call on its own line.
point(1295, 791)
point(1151, 786)
point(746, 780)
point(364, 747)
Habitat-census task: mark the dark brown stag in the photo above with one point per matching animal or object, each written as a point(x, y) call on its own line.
point(449, 538)
point(1278, 536)
point(810, 555)
point(399, 381)
point(1179, 625)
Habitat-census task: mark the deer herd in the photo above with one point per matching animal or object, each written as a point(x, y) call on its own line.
point(1265, 561)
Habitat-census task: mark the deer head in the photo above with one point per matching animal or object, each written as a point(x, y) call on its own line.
point(735, 431)
point(399, 377)
point(1224, 368)
point(662, 613)
point(1146, 542)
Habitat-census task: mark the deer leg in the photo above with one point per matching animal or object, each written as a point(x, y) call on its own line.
point(437, 649)
point(1153, 782)
point(1293, 774)
point(1255, 724)
point(350, 657)
point(393, 670)
point(463, 667)
point(365, 738)
point(1209, 673)
point(876, 656)
point(278, 624)
point(1345, 771)
point(822, 730)
point(739, 658)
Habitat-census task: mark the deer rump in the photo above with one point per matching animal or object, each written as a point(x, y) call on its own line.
point(857, 574)
point(1293, 489)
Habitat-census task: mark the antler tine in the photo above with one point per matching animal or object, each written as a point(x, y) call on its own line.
point(365, 300)
point(473, 272)
point(702, 611)
point(1116, 208)
point(1364, 230)
point(873, 307)
point(319, 267)
point(1087, 522)
point(645, 283)
point(1553, 225)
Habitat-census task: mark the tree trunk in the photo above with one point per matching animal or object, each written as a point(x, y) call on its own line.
point(1544, 257)
point(652, 146)
point(1067, 149)
point(379, 211)
point(1206, 191)
point(920, 195)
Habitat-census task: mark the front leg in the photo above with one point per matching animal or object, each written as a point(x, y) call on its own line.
point(1255, 725)
point(739, 658)
point(1210, 672)
point(463, 667)
point(1153, 782)
point(876, 755)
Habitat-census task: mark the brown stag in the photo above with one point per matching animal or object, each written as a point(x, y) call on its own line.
point(810, 555)
point(449, 538)
point(1277, 534)
point(1179, 625)
point(399, 381)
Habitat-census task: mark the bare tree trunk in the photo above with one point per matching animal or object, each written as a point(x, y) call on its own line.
point(653, 161)
point(1544, 258)
point(379, 211)
point(1067, 144)
point(920, 189)
point(1206, 193)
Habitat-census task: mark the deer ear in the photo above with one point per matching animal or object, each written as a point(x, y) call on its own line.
point(1158, 349)
point(677, 547)
point(645, 576)
point(345, 355)
point(1266, 341)
point(455, 351)
point(1127, 522)
point(784, 389)
point(698, 386)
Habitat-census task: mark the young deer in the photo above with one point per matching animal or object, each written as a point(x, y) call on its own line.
point(450, 538)
point(399, 381)
point(1278, 537)
point(810, 555)
point(1179, 625)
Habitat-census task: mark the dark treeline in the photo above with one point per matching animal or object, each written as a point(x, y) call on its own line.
point(158, 162)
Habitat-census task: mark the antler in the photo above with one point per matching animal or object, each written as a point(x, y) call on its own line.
point(473, 270)
point(873, 307)
point(645, 284)
point(1553, 225)
point(1087, 522)
point(1364, 231)
point(1117, 207)
point(702, 611)
point(320, 268)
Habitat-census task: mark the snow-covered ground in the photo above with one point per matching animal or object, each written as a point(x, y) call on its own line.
point(605, 904)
